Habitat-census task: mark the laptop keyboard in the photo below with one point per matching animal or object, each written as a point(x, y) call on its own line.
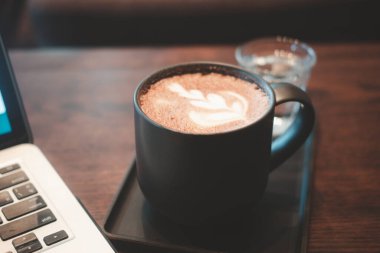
point(23, 210)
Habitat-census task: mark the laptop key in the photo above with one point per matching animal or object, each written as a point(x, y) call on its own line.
point(27, 243)
point(24, 207)
point(9, 168)
point(25, 239)
point(5, 198)
point(30, 247)
point(13, 179)
point(55, 237)
point(24, 191)
point(26, 224)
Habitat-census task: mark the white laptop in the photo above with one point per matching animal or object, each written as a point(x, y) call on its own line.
point(38, 213)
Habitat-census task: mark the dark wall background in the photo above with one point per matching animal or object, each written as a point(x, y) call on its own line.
point(161, 22)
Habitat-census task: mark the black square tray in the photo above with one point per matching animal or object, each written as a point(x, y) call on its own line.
point(277, 225)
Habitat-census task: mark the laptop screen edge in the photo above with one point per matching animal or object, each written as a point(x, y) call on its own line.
point(21, 131)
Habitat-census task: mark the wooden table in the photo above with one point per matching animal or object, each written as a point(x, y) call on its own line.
point(79, 103)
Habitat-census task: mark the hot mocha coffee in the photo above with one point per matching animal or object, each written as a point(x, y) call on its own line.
point(203, 103)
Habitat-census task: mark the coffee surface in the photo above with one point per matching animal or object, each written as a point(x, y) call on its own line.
point(203, 103)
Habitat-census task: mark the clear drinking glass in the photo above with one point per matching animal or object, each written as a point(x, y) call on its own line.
point(276, 60)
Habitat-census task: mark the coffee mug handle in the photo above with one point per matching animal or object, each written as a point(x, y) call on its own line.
point(287, 143)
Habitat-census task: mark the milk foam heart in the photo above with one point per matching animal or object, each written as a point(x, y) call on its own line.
point(212, 110)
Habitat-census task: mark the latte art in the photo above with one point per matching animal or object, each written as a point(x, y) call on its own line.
point(197, 103)
point(215, 109)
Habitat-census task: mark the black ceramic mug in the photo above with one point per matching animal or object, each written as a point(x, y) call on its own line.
point(209, 178)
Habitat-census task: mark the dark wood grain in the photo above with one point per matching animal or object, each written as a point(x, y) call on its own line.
point(79, 104)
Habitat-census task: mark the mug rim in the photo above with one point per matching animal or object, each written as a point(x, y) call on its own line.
point(147, 81)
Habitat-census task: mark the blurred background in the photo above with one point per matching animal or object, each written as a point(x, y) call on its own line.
point(87, 23)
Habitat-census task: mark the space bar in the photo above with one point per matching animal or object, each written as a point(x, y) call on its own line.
point(26, 224)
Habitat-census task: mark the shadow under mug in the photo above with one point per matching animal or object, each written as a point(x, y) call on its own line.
point(196, 179)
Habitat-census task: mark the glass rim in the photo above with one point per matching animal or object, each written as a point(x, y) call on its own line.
point(308, 61)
